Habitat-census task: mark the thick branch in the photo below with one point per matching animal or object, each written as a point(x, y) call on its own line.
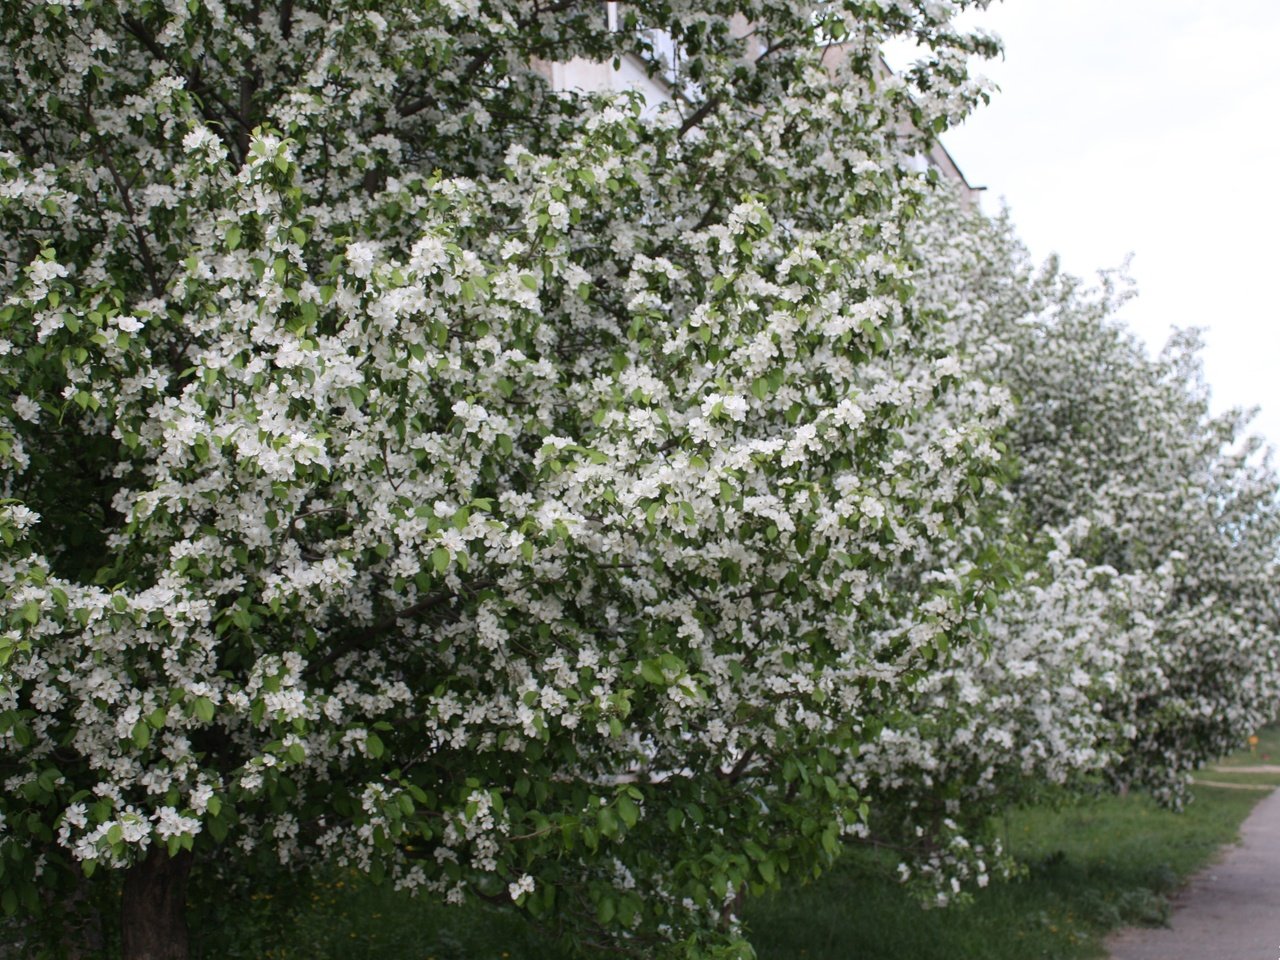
point(700, 114)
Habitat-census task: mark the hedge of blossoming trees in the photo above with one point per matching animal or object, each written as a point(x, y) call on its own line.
point(411, 468)
point(1142, 640)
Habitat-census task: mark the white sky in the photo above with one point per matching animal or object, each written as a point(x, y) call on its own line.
point(1149, 127)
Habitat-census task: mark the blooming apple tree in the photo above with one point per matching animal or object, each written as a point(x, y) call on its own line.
point(505, 491)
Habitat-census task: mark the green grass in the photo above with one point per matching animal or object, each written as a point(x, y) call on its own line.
point(1092, 865)
point(1209, 778)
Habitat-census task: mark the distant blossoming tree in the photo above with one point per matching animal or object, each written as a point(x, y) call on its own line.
point(1143, 637)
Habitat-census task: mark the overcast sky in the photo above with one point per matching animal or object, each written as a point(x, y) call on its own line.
point(1148, 127)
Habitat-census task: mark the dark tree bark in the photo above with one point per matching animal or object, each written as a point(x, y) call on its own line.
point(154, 911)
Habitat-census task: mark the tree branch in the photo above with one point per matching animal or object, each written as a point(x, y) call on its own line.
point(286, 19)
point(199, 89)
point(144, 249)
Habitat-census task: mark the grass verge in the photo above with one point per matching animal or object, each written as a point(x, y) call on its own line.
point(1092, 865)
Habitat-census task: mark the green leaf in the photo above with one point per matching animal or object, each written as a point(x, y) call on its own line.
point(628, 810)
point(607, 822)
point(203, 709)
point(628, 909)
point(440, 559)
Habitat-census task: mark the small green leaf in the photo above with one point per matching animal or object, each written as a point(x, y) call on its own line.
point(608, 822)
point(628, 810)
point(217, 828)
point(203, 709)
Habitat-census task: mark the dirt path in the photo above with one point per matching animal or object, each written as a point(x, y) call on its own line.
point(1229, 911)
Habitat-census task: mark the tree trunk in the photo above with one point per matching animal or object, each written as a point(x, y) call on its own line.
point(154, 911)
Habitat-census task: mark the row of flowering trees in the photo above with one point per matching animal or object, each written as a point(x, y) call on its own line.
point(1139, 638)
point(526, 497)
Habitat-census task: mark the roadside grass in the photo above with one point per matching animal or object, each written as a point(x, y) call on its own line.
point(1093, 864)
